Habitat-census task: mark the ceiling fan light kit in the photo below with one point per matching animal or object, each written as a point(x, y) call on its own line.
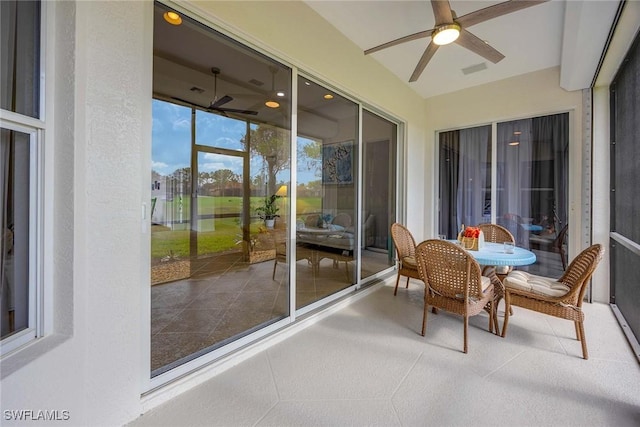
point(445, 34)
point(448, 29)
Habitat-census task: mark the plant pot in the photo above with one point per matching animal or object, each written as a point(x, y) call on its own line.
point(269, 222)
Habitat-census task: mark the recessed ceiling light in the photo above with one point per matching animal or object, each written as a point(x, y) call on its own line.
point(517, 132)
point(328, 96)
point(272, 104)
point(280, 94)
point(514, 143)
point(172, 18)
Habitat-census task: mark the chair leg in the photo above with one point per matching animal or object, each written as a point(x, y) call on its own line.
point(491, 318)
point(466, 330)
point(407, 282)
point(424, 318)
point(397, 282)
point(275, 264)
point(583, 340)
point(507, 311)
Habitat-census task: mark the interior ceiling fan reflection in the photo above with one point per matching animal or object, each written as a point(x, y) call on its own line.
point(217, 103)
point(449, 29)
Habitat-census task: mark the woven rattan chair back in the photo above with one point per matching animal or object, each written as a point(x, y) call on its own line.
point(405, 250)
point(579, 273)
point(454, 281)
point(567, 306)
point(496, 233)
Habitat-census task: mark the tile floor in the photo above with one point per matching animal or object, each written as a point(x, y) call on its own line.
point(230, 297)
point(367, 364)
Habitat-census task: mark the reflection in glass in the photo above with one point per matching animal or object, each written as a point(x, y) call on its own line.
point(14, 219)
point(218, 154)
point(533, 161)
point(465, 179)
point(379, 138)
point(326, 222)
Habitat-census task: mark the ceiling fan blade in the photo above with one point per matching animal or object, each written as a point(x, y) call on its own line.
point(410, 37)
point(220, 102)
point(442, 12)
point(426, 57)
point(184, 101)
point(496, 10)
point(476, 45)
point(234, 110)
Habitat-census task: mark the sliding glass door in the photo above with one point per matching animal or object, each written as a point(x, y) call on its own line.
point(327, 221)
point(224, 246)
point(531, 175)
point(379, 152)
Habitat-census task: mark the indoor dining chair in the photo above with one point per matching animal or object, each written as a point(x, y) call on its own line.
point(453, 282)
point(405, 249)
point(556, 297)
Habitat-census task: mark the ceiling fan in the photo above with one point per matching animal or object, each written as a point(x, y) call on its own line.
point(217, 104)
point(450, 28)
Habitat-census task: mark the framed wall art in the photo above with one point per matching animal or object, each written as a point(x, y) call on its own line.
point(337, 163)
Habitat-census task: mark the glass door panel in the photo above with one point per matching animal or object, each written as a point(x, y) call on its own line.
point(170, 193)
point(533, 164)
point(326, 223)
point(379, 138)
point(465, 179)
point(219, 149)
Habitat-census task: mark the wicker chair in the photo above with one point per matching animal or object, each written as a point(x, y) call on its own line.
point(301, 252)
point(405, 249)
point(496, 233)
point(556, 245)
point(454, 282)
point(560, 298)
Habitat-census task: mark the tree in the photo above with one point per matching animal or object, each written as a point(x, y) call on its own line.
point(272, 144)
point(222, 177)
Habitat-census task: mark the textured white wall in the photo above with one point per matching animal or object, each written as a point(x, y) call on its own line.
point(101, 127)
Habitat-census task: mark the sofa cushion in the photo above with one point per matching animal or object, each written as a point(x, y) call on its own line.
point(535, 284)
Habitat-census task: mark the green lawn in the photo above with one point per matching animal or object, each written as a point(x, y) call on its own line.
point(227, 230)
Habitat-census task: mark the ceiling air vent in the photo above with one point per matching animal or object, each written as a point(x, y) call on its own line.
point(474, 68)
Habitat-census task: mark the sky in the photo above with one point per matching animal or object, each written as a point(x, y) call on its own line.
point(171, 141)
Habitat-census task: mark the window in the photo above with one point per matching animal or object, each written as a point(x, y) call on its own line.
point(20, 169)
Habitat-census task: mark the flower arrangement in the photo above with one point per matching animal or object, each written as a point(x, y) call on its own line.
point(473, 232)
point(472, 238)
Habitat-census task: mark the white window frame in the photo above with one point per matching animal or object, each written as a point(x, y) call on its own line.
point(34, 328)
point(39, 307)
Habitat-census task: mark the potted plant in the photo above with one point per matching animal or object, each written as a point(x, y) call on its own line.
point(269, 210)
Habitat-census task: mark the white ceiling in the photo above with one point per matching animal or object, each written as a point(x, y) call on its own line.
point(570, 34)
